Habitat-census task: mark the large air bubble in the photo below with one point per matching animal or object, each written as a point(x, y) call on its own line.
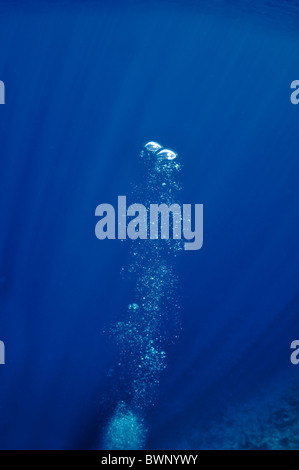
point(166, 154)
point(152, 147)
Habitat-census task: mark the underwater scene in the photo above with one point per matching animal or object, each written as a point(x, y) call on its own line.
point(149, 262)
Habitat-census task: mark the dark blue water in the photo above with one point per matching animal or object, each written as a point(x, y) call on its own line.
point(87, 84)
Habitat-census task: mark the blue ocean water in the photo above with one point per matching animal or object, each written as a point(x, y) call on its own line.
point(87, 84)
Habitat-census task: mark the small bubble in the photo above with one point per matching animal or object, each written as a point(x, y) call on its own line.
point(133, 307)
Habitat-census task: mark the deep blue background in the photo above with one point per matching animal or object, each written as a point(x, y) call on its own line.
point(87, 84)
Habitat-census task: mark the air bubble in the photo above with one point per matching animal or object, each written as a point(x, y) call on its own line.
point(166, 154)
point(152, 147)
point(133, 308)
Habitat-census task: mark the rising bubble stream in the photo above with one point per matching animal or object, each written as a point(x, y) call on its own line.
point(151, 322)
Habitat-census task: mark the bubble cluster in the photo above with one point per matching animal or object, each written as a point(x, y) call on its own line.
point(133, 308)
point(125, 430)
point(162, 167)
point(151, 322)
